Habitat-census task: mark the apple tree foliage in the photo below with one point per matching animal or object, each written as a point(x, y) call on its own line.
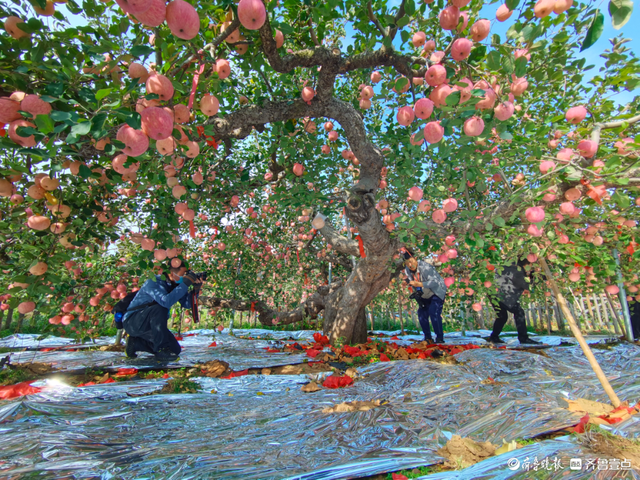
point(322, 110)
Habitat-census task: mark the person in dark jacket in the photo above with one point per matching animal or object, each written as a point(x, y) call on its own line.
point(431, 290)
point(634, 311)
point(147, 315)
point(511, 285)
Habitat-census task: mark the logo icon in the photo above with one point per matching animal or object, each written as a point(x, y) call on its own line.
point(575, 464)
point(513, 464)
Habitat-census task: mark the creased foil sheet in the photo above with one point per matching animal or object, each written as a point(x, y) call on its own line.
point(265, 427)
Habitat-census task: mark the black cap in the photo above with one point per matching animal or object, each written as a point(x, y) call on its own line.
point(407, 254)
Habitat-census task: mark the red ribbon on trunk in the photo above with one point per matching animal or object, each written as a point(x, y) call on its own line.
point(361, 246)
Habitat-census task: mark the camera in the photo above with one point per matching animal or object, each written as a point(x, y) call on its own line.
point(199, 276)
point(417, 295)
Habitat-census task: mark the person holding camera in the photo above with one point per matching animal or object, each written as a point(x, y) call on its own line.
point(429, 292)
point(511, 285)
point(146, 318)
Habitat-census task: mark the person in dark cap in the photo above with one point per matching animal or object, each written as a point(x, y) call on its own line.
point(511, 285)
point(146, 318)
point(429, 291)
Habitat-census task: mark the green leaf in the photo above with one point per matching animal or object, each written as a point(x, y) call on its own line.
point(573, 174)
point(100, 94)
point(499, 222)
point(401, 83)
point(521, 66)
point(60, 116)
point(493, 60)
point(44, 124)
point(84, 173)
point(477, 54)
point(453, 98)
point(97, 125)
point(595, 30)
point(141, 51)
point(508, 64)
point(403, 22)
point(621, 199)
point(409, 7)
point(134, 120)
point(506, 136)
point(512, 4)
point(620, 11)
point(81, 129)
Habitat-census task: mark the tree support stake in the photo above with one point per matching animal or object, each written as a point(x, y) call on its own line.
point(615, 401)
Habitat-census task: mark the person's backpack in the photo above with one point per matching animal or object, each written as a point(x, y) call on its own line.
point(123, 305)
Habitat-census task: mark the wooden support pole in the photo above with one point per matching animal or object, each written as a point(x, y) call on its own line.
point(547, 315)
point(595, 307)
point(615, 401)
point(610, 322)
point(591, 315)
point(587, 318)
point(615, 314)
point(560, 319)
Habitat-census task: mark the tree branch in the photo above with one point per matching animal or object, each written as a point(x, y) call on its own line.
point(310, 308)
point(338, 242)
point(598, 127)
point(374, 19)
point(399, 15)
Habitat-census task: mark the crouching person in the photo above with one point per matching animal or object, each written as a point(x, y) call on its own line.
point(147, 315)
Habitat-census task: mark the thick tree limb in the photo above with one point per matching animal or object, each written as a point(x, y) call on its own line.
point(598, 127)
point(338, 242)
point(333, 60)
point(310, 308)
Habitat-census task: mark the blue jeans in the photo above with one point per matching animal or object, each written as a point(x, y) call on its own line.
point(432, 309)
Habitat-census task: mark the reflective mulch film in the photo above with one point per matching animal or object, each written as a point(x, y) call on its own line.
point(266, 427)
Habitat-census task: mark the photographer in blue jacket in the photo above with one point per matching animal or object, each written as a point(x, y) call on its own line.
point(146, 318)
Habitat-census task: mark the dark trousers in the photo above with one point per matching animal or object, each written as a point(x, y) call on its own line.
point(431, 309)
point(518, 316)
point(149, 333)
point(634, 308)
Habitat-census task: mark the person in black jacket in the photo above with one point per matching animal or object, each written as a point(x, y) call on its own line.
point(634, 311)
point(511, 285)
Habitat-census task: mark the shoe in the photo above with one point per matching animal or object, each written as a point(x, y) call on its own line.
point(428, 340)
point(129, 348)
point(439, 340)
point(530, 341)
point(494, 340)
point(166, 356)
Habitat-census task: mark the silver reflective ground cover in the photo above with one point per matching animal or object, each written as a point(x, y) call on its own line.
point(265, 427)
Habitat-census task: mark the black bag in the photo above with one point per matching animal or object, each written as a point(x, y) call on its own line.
point(123, 304)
